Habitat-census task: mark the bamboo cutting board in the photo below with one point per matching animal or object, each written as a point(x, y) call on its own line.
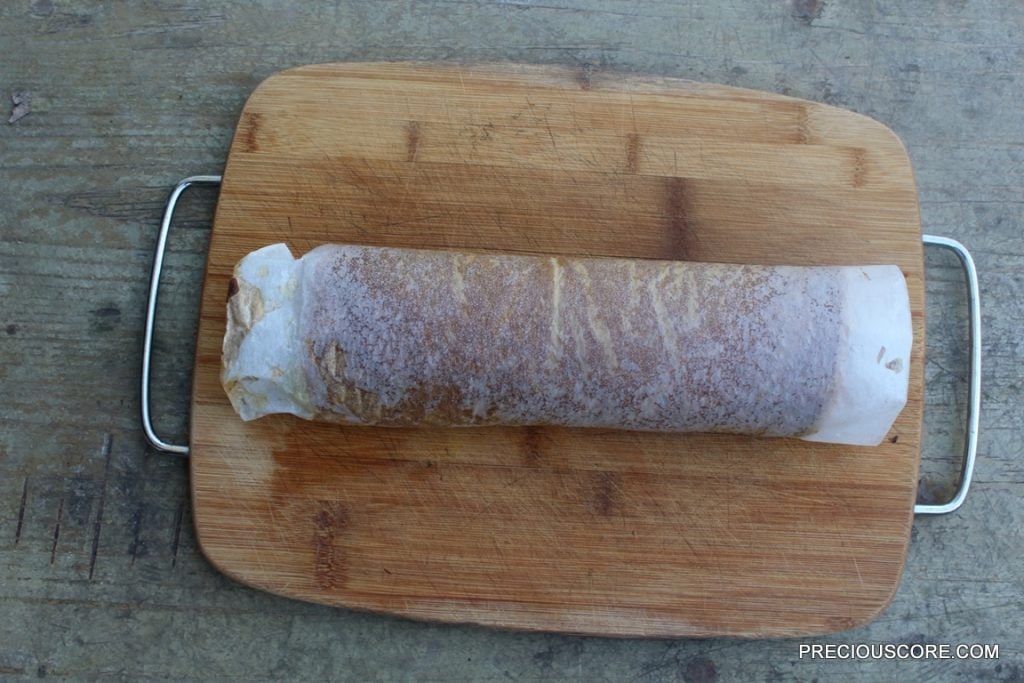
point(586, 531)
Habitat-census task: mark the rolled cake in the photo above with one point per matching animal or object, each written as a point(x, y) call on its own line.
point(399, 337)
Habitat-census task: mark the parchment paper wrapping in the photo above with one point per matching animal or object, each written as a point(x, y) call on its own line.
point(399, 337)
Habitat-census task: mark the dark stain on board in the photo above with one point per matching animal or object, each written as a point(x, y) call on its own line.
point(329, 522)
point(859, 167)
point(249, 133)
point(805, 135)
point(605, 491)
point(532, 447)
point(680, 243)
point(412, 140)
point(632, 153)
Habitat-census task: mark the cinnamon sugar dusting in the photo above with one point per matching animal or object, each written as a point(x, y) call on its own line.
point(401, 337)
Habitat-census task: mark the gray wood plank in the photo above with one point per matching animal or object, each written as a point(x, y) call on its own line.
point(100, 576)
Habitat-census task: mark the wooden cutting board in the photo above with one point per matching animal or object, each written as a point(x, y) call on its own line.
point(585, 531)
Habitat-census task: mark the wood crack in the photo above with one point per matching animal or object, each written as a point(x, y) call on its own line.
point(21, 512)
point(97, 526)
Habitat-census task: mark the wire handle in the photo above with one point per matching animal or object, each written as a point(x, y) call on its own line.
point(154, 289)
point(974, 378)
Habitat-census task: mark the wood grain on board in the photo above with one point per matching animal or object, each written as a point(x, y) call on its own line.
point(601, 532)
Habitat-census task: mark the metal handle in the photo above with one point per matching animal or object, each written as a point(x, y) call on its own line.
point(154, 289)
point(974, 379)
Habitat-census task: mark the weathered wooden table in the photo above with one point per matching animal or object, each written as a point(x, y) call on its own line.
point(99, 571)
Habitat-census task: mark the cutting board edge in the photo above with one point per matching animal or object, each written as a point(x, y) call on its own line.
point(584, 77)
point(492, 617)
